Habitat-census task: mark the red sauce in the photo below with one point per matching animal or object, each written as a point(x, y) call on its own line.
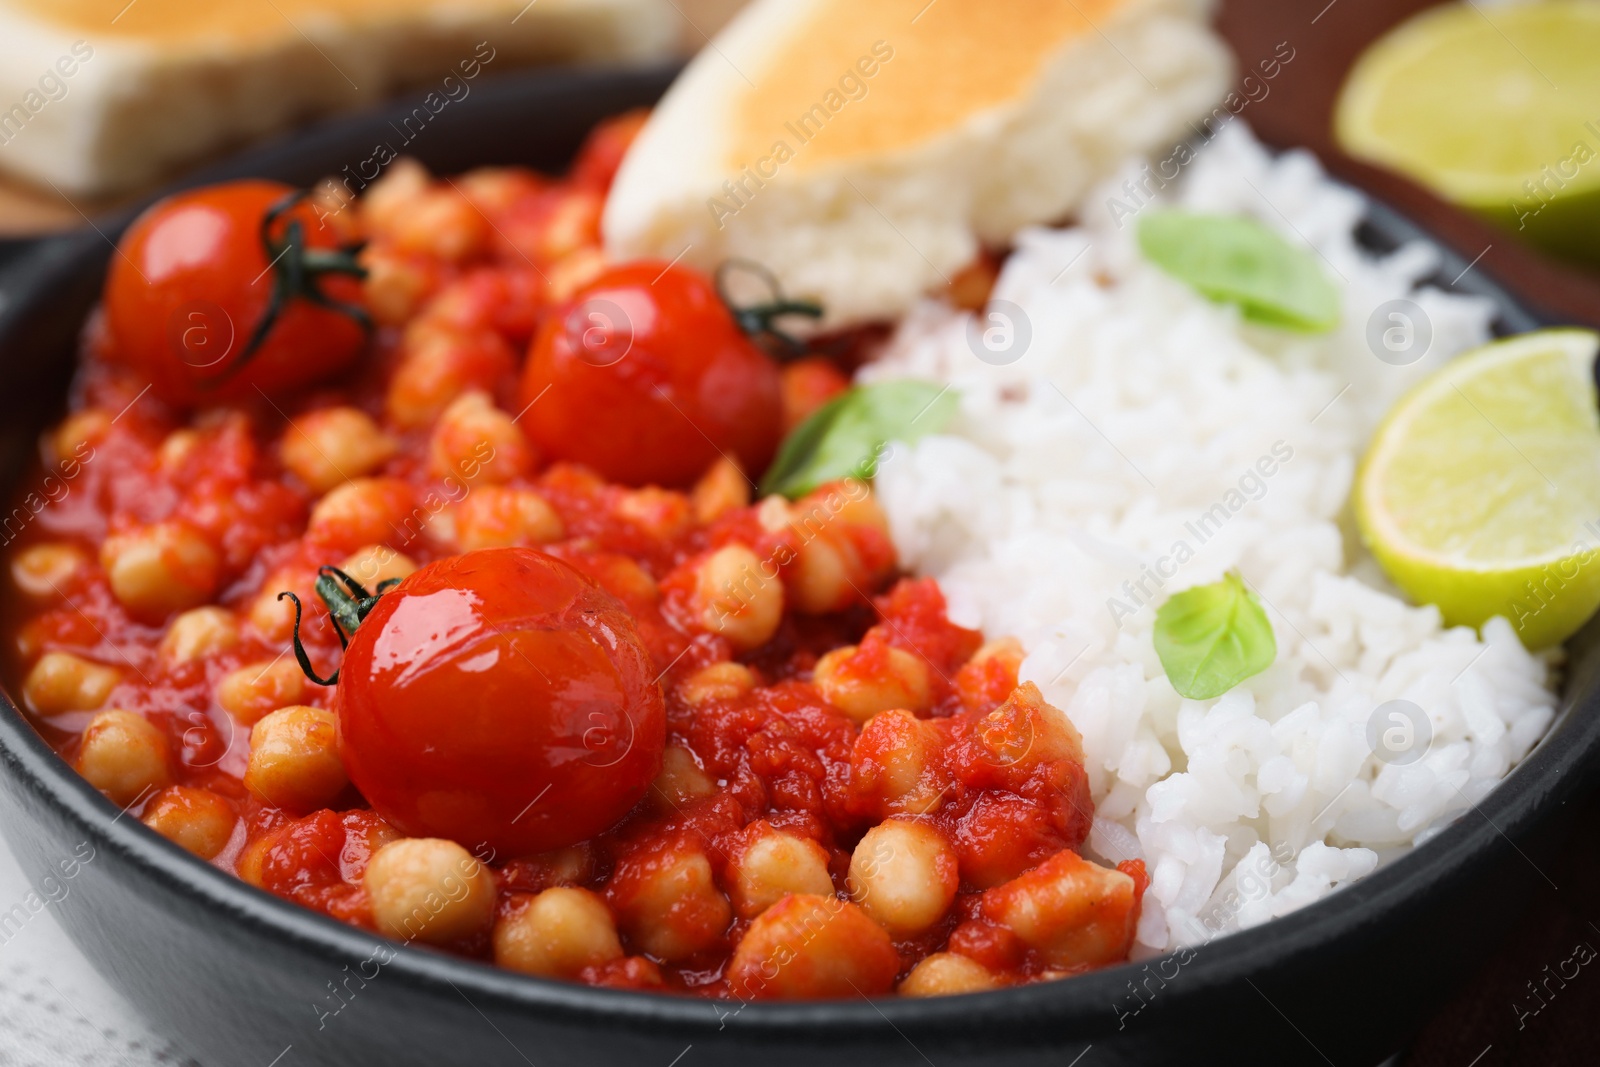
point(998, 775)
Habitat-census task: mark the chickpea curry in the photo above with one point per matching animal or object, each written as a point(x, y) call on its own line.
point(405, 561)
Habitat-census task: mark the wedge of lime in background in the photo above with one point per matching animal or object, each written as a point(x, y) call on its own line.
point(1476, 101)
point(1481, 490)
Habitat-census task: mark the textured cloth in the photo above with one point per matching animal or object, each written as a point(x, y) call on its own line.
point(55, 1011)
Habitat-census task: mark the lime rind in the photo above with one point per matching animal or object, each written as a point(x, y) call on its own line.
point(1458, 84)
point(1480, 493)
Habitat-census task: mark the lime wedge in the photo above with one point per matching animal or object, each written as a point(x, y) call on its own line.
point(1494, 107)
point(1481, 490)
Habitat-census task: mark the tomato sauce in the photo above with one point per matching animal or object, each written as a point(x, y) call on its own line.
point(758, 742)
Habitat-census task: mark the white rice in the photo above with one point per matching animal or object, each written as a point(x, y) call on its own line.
point(1136, 407)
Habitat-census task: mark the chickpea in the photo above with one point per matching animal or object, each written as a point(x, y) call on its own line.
point(365, 511)
point(774, 514)
point(430, 890)
point(572, 865)
point(445, 225)
point(854, 504)
point(272, 618)
point(721, 489)
point(294, 759)
point(80, 431)
point(557, 933)
point(574, 224)
point(62, 682)
point(681, 780)
point(945, 973)
point(825, 576)
point(897, 760)
point(375, 564)
point(124, 756)
point(737, 598)
point(1025, 731)
point(438, 364)
point(407, 208)
point(811, 947)
point(476, 441)
point(573, 271)
point(661, 512)
point(904, 875)
point(45, 570)
point(986, 679)
point(159, 569)
point(719, 681)
point(175, 450)
point(253, 691)
point(197, 819)
point(861, 682)
point(829, 571)
point(396, 285)
point(251, 862)
point(495, 189)
point(198, 633)
point(1072, 912)
point(774, 865)
point(327, 447)
point(1005, 652)
point(668, 903)
point(393, 195)
point(494, 516)
point(624, 579)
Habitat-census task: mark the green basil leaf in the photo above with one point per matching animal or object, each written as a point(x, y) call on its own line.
point(1239, 261)
point(843, 438)
point(1212, 637)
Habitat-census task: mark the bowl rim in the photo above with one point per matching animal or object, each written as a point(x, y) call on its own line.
point(1553, 770)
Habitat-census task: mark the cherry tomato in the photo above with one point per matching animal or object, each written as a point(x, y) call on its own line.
point(192, 283)
point(604, 148)
point(808, 384)
point(645, 377)
point(500, 698)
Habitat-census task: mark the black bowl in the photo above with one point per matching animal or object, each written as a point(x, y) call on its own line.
point(241, 977)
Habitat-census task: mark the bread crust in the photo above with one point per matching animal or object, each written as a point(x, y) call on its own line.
point(865, 151)
point(94, 108)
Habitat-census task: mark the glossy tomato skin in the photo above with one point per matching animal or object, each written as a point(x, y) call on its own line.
point(645, 377)
point(604, 148)
point(502, 700)
point(192, 281)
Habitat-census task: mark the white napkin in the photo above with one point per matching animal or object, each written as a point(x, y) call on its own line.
point(55, 1011)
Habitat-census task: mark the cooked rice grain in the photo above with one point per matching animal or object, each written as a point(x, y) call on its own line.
point(1141, 418)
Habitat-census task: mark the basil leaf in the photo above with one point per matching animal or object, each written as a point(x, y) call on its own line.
point(843, 438)
point(1212, 637)
point(1238, 261)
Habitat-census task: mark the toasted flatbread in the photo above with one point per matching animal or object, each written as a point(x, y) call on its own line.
point(102, 95)
point(863, 150)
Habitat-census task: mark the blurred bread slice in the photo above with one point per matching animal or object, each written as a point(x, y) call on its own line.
point(862, 149)
point(101, 95)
